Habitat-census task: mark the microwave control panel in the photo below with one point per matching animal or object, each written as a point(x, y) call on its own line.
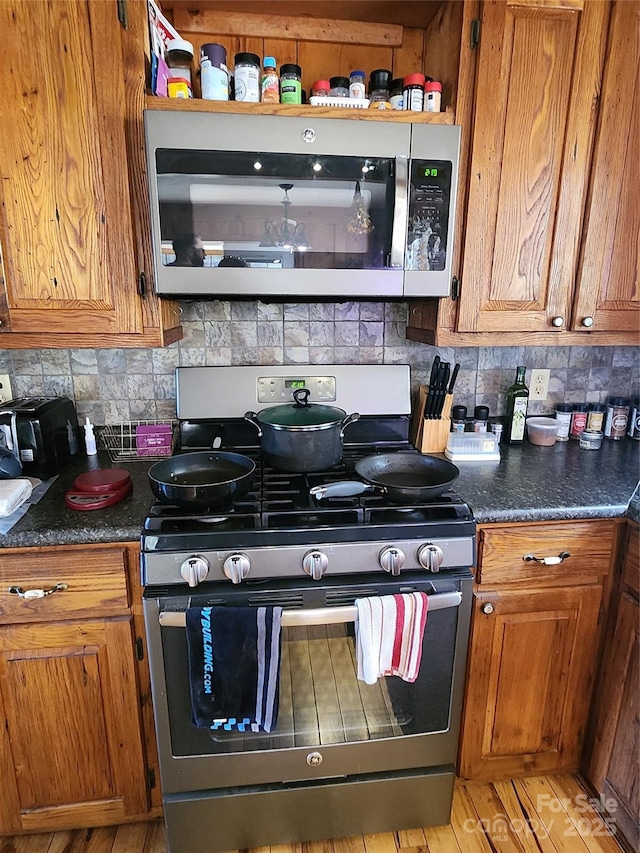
point(429, 201)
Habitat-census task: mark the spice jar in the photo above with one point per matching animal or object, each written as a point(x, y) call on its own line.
point(179, 58)
point(480, 418)
point(595, 416)
point(339, 87)
point(563, 414)
point(432, 96)
point(290, 83)
point(578, 420)
point(458, 418)
point(615, 426)
point(321, 89)
point(396, 94)
point(379, 82)
point(356, 85)
point(246, 77)
point(414, 92)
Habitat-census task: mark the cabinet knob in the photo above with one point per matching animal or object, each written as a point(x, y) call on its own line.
point(587, 322)
point(487, 608)
point(558, 322)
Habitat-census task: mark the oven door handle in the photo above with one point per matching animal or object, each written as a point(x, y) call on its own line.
point(317, 616)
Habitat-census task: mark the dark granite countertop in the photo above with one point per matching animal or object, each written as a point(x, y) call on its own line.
point(532, 483)
point(528, 484)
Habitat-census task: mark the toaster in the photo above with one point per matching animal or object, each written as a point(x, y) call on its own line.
point(42, 432)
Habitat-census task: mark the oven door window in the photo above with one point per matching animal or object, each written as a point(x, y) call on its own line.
point(275, 211)
point(321, 701)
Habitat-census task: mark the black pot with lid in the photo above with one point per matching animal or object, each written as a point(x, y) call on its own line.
point(301, 436)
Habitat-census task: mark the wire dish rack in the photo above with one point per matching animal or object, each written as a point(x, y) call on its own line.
point(127, 442)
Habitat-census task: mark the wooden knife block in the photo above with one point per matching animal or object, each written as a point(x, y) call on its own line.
point(431, 435)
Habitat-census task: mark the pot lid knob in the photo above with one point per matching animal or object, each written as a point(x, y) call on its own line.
point(301, 397)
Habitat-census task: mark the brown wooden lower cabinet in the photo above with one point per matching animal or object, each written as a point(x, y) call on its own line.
point(534, 645)
point(72, 744)
point(612, 756)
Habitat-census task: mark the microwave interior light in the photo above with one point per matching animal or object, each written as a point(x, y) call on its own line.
point(317, 166)
point(257, 165)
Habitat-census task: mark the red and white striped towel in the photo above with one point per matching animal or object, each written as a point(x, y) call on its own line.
point(389, 633)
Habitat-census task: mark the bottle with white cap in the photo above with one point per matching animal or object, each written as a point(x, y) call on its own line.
point(89, 438)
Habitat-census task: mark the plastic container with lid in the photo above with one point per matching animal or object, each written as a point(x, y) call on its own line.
point(396, 94)
point(432, 96)
point(246, 77)
point(542, 430)
point(357, 84)
point(414, 92)
point(290, 83)
point(214, 75)
point(179, 57)
point(270, 84)
point(563, 414)
point(379, 82)
point(339, 87)
point(179, 87)
point(591, 439)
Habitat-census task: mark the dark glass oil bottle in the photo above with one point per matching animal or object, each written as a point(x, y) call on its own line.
point(517, 402)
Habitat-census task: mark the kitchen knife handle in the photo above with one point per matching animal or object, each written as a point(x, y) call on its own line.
point(454, 376)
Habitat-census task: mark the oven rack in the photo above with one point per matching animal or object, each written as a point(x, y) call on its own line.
point(121, 441)
point(316, 615)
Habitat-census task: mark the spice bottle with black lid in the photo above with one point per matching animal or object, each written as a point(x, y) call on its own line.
point(246, 77)
point(290, 83)
point(379, 82)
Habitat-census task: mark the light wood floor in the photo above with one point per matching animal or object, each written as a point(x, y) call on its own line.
point(543, 814)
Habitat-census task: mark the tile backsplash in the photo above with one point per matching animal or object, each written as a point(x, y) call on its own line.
point(114, 385)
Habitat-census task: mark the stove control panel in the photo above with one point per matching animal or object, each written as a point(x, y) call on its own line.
point(396, 556)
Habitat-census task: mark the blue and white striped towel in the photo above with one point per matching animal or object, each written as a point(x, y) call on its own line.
point(234, 667)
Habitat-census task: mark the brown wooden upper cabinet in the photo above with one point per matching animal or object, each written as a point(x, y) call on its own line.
point(550, 249)
point(74, 239)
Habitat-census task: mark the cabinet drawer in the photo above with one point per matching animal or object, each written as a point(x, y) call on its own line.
point(95, 577)
point(503, 551)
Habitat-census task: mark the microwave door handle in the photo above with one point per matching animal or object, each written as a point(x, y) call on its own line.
point(399, 230)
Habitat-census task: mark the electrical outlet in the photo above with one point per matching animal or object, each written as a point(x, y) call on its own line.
point(5, 388)
point(539, 384)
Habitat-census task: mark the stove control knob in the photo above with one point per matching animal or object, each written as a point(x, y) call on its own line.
point(236, 567)
point(430, 557)
point(194, 570)
point(391, 559)
point(315, 564)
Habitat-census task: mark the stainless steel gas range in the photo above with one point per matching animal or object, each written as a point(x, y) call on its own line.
point(345, 757)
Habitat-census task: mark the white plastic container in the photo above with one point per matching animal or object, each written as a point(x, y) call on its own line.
point(472, 447)
point(542, 431)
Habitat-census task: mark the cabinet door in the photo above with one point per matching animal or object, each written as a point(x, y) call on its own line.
point(538, 78)
point(531, 666)
point(608, 289)
point(66, 225)
point(620, 785)
point(70, 737)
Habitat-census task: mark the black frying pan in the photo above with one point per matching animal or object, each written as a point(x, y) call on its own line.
point(201, 480)
point(404, 477)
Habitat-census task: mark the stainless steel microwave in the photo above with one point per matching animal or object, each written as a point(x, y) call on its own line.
point(280, 206)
